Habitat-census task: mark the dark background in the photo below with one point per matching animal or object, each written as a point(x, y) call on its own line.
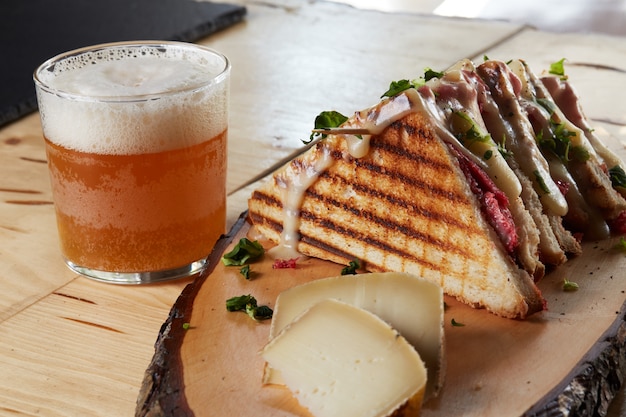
point(31, 31)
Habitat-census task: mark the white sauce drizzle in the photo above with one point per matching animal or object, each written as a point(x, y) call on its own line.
point(495, 165)
point(294, 182)
point(535, 163)
point(562, 90)
point(596, 227)
point(296, 179)
point(531, 83)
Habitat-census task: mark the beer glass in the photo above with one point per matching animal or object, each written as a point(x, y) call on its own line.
point(136, 138)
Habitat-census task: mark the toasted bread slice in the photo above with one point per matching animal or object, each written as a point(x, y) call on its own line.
point(468, 110)
point(404, 206)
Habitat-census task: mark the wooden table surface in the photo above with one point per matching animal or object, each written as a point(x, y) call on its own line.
point(74, 347)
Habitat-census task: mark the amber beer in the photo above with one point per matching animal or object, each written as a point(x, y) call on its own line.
point(136, 139)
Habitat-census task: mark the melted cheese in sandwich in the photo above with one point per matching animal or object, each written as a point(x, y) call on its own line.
point(459, 108)
point(521, 141)
point(293, 184)
point(532, 88)
point(568, 100)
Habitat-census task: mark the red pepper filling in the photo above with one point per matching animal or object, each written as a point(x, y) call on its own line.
point(494, 203)
point(563, 186)
point(618, 225)
point(285, 263)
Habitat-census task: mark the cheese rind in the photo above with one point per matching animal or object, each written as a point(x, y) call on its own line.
point(412, 306)
point(340, 360)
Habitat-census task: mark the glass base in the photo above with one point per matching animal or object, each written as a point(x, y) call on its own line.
point(134, 278)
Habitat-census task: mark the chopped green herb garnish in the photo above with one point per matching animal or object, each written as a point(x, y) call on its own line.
point(560, 144)
point(244, 252)
point(326, 120)
point(621, 245)
point(547, 104)
point(562, 136)
point(503, 150)
point(245, 271)
point(239, 303)
point(558, 68)
point(396, 87)
point(248, 304)
point(351, 268)
point(579, 153)
point(456, 323)
point(569, 285)
point(541, 182)
point(430, 74)
point(467, 130)
point(618, 176)
point(262, 313)
point(487, 155)
point(186, 326)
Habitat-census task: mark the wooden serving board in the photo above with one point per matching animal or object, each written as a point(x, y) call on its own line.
point(566, 361)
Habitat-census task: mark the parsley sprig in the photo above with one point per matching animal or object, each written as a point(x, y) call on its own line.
point(396, 87)
point(249, 305)
point(469, 131)
point(351, 268)
point(570, 285)
point(559, 143)
point(326, 120)
point(244, 252)
point(558, 68)
point(618, 176)
point(621, 244)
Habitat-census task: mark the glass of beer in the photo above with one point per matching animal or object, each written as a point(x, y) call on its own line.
point(136, 140)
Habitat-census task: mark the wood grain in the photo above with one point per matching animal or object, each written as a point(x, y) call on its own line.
point(58, 354)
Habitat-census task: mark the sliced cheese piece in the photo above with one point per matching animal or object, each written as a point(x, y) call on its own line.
point(409, 304)
point(339, 360)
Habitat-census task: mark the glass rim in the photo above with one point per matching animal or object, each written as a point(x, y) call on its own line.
point(51, 62)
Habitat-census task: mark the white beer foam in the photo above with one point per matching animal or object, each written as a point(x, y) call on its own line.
point(128, 115)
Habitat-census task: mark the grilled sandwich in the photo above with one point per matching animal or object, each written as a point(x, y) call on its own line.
point(444, 180)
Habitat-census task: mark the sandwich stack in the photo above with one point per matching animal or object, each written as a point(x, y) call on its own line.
point(479, 178)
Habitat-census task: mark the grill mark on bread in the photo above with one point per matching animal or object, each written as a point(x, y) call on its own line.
point(370, 217)
point(368, 165)
point(385, 149)
point(367, 216)
point(377, 244)
point(266, 198)
point(413, 207)
point(312, 241)
point(437, 165)
point(403, 151)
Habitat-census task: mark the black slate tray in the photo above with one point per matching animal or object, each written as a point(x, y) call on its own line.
point(32, 31)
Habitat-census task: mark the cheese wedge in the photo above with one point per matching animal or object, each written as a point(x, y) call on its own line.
point(339, 360)
point(411, 305)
